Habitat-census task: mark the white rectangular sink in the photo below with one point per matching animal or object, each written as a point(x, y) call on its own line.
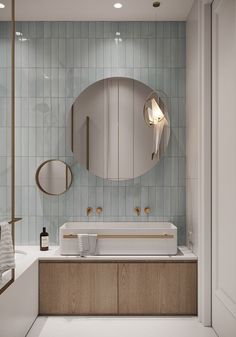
point(121, 238)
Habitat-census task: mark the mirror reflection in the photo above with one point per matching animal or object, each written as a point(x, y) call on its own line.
point(119, 128)
point(54, 177)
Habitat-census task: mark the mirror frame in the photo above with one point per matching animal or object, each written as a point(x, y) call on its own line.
point(37, 177)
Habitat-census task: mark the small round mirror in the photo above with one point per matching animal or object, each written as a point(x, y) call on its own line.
point(54, 177)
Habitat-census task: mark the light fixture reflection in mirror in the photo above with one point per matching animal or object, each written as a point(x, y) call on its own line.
point(54, 177)
point(155, 115)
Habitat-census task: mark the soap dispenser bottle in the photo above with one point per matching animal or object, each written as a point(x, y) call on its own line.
point(44, 240)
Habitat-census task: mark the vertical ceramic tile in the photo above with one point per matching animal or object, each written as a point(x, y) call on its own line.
point(84, 52)
point(182, 112)
point(144, 53)
point(68, 57)
point(129, 52)
point(69, 53)
point(84, 30)
point(152, 53)
point(69, 30)
point(181, 60)
point(54, 53)
point(47, 29)
point(137, 53)
point(99, 48)
point(47, 52)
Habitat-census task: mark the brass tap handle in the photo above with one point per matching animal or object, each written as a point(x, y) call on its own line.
point(137, 211)
point(89, 211)
point(147, 210)
point(99, 210)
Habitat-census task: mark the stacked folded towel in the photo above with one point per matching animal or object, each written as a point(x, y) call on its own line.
point(87, 244)
point(7, 258)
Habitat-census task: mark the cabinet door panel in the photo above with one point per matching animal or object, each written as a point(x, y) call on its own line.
point(158, 288)
point(78, 288)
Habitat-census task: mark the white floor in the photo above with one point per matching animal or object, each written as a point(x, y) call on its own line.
point(118, 327)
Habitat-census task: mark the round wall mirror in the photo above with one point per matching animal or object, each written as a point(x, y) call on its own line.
point(54, 177)
point(109, 132)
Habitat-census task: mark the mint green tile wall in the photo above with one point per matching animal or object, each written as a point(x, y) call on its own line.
point(55, 61)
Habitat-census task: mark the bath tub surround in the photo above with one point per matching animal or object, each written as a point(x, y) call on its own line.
point(27, 276)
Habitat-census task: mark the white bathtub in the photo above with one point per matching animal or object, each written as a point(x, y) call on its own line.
point(6, 276)
point(121, 238)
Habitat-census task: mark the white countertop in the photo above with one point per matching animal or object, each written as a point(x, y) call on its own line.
point(54, 254)
point(27, 255)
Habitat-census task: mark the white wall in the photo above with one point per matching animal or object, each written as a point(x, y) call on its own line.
point(192, 126)
point(198, 148)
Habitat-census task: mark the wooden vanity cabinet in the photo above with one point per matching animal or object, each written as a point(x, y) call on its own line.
point(118, 288)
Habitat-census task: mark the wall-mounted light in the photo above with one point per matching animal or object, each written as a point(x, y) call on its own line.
point(153, 113)
point(2, 5)
point(117, 5)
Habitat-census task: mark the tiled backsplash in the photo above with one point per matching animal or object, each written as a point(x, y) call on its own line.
point(55, 61)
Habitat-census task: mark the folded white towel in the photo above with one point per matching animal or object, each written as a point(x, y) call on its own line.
point(92, 244)
point(7, 258)
point(87, 244)
point(83, 240)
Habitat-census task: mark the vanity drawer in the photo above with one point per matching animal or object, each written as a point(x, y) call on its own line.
point(77, 288)
point(158, 288)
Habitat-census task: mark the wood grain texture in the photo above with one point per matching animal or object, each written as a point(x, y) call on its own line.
point(78, 288)
point(158, 288)
point(118, 288)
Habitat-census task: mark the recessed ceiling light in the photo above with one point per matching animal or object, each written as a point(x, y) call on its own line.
point(19, 34)
point(118, 5)
point(2, 5)
point(117, 33)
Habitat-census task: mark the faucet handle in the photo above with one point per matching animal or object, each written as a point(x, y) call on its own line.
point(89, 211)
point(147, 210)
point(137, 211)
point(99, 210)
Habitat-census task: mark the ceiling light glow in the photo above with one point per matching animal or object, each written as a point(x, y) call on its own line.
point(23, 39)
point(118, 5)
point(2, 5)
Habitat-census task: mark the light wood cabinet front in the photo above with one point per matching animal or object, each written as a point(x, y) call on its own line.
point(118, 288)
point(77, 288)
point(158, 288)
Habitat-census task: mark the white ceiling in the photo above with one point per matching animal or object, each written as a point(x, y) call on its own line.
point(97, 10)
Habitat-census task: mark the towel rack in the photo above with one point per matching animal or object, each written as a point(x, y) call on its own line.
point(125, 236)
point(14, 220)
point(11, 222)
